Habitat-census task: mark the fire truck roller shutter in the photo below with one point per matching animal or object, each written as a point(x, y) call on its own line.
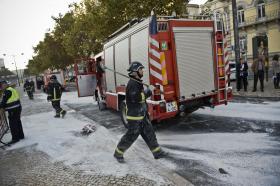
point(109, 62)
point(122, 60)
point(194, 52)
point(139, 50)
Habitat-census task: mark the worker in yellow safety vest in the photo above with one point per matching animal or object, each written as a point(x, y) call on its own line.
point(11, 103)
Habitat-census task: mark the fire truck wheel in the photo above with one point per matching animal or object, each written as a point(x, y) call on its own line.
point(123, 114)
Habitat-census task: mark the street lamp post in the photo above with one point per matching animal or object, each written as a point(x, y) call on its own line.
point(14, 57)
point(236, 44)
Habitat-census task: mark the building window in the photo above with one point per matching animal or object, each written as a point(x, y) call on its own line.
point(240, 14)
point(227, 22)
point(219, 23)
point(261, 9)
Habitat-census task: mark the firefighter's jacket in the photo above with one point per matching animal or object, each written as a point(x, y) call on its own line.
point(27, 86)
point(10, 99)
point(135, 100)
point(54, 91)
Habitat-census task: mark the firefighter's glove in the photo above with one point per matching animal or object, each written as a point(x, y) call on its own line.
point(49, 98)
point(147, 92)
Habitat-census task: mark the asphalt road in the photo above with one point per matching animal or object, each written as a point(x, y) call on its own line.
point(212, 149)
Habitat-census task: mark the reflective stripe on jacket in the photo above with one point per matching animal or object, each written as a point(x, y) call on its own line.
point(14, 100)
point(54, 90)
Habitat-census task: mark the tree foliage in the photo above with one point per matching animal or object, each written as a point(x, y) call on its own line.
point(5, 72)
point(82, 31)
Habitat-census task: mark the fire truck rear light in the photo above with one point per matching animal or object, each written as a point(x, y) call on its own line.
point(157, 93)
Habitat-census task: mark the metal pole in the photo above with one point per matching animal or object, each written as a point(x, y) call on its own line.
point(126, 76)
point(16, 70)
point(236, 44)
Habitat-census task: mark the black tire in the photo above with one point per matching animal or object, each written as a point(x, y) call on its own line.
point(123, 114)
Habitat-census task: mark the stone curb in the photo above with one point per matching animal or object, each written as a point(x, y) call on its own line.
point(174, 177)
point(274, 98)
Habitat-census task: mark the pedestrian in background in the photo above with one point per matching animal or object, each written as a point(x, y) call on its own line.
point(54, 91)
point(276, 71)
point(258, 67)
point(32, 85)
point(262, 50)
point(27, 87)
point(244, 73)
point(11, 103)
point(137, 116)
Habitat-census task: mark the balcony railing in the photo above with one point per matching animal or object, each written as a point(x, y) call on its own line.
point(269, 16)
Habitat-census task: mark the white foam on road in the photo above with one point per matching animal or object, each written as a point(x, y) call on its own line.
point(265, 111)
point(71, 97)
point(93, 154)
point(233, 152)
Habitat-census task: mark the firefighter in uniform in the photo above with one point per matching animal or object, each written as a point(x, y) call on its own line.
point(11, 103)
point(28, 88)
point(54, 91)
point(32, 83)
point(138, 122)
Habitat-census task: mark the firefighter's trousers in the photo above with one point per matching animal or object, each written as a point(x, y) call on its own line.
point(136, 128)
point(15, 123)
point(56, 106)
point(30, 94)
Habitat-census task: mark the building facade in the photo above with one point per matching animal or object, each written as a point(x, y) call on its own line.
point(258, 24)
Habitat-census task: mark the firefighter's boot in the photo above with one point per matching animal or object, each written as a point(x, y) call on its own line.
point(63, 113)
point(160, 154)
point(57, 116)
point(119, 156)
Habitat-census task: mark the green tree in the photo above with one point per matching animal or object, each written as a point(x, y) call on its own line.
point(5, 72)
point(50, 54)
point(83, 30)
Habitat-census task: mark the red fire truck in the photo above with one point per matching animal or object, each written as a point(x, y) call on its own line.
point(85, 74)
point(89, 76)
point(184, 62)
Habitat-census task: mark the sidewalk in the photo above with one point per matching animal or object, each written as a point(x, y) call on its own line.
point(269, 90)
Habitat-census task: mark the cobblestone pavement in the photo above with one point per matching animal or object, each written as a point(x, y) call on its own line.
point(28, 166)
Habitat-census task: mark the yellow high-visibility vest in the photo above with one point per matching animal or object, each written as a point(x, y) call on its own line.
point(14, 97)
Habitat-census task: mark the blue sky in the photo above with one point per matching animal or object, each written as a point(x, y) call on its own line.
point(23, 24)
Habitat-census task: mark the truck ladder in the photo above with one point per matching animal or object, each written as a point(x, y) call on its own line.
point(220, 58)
point(227, 47)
